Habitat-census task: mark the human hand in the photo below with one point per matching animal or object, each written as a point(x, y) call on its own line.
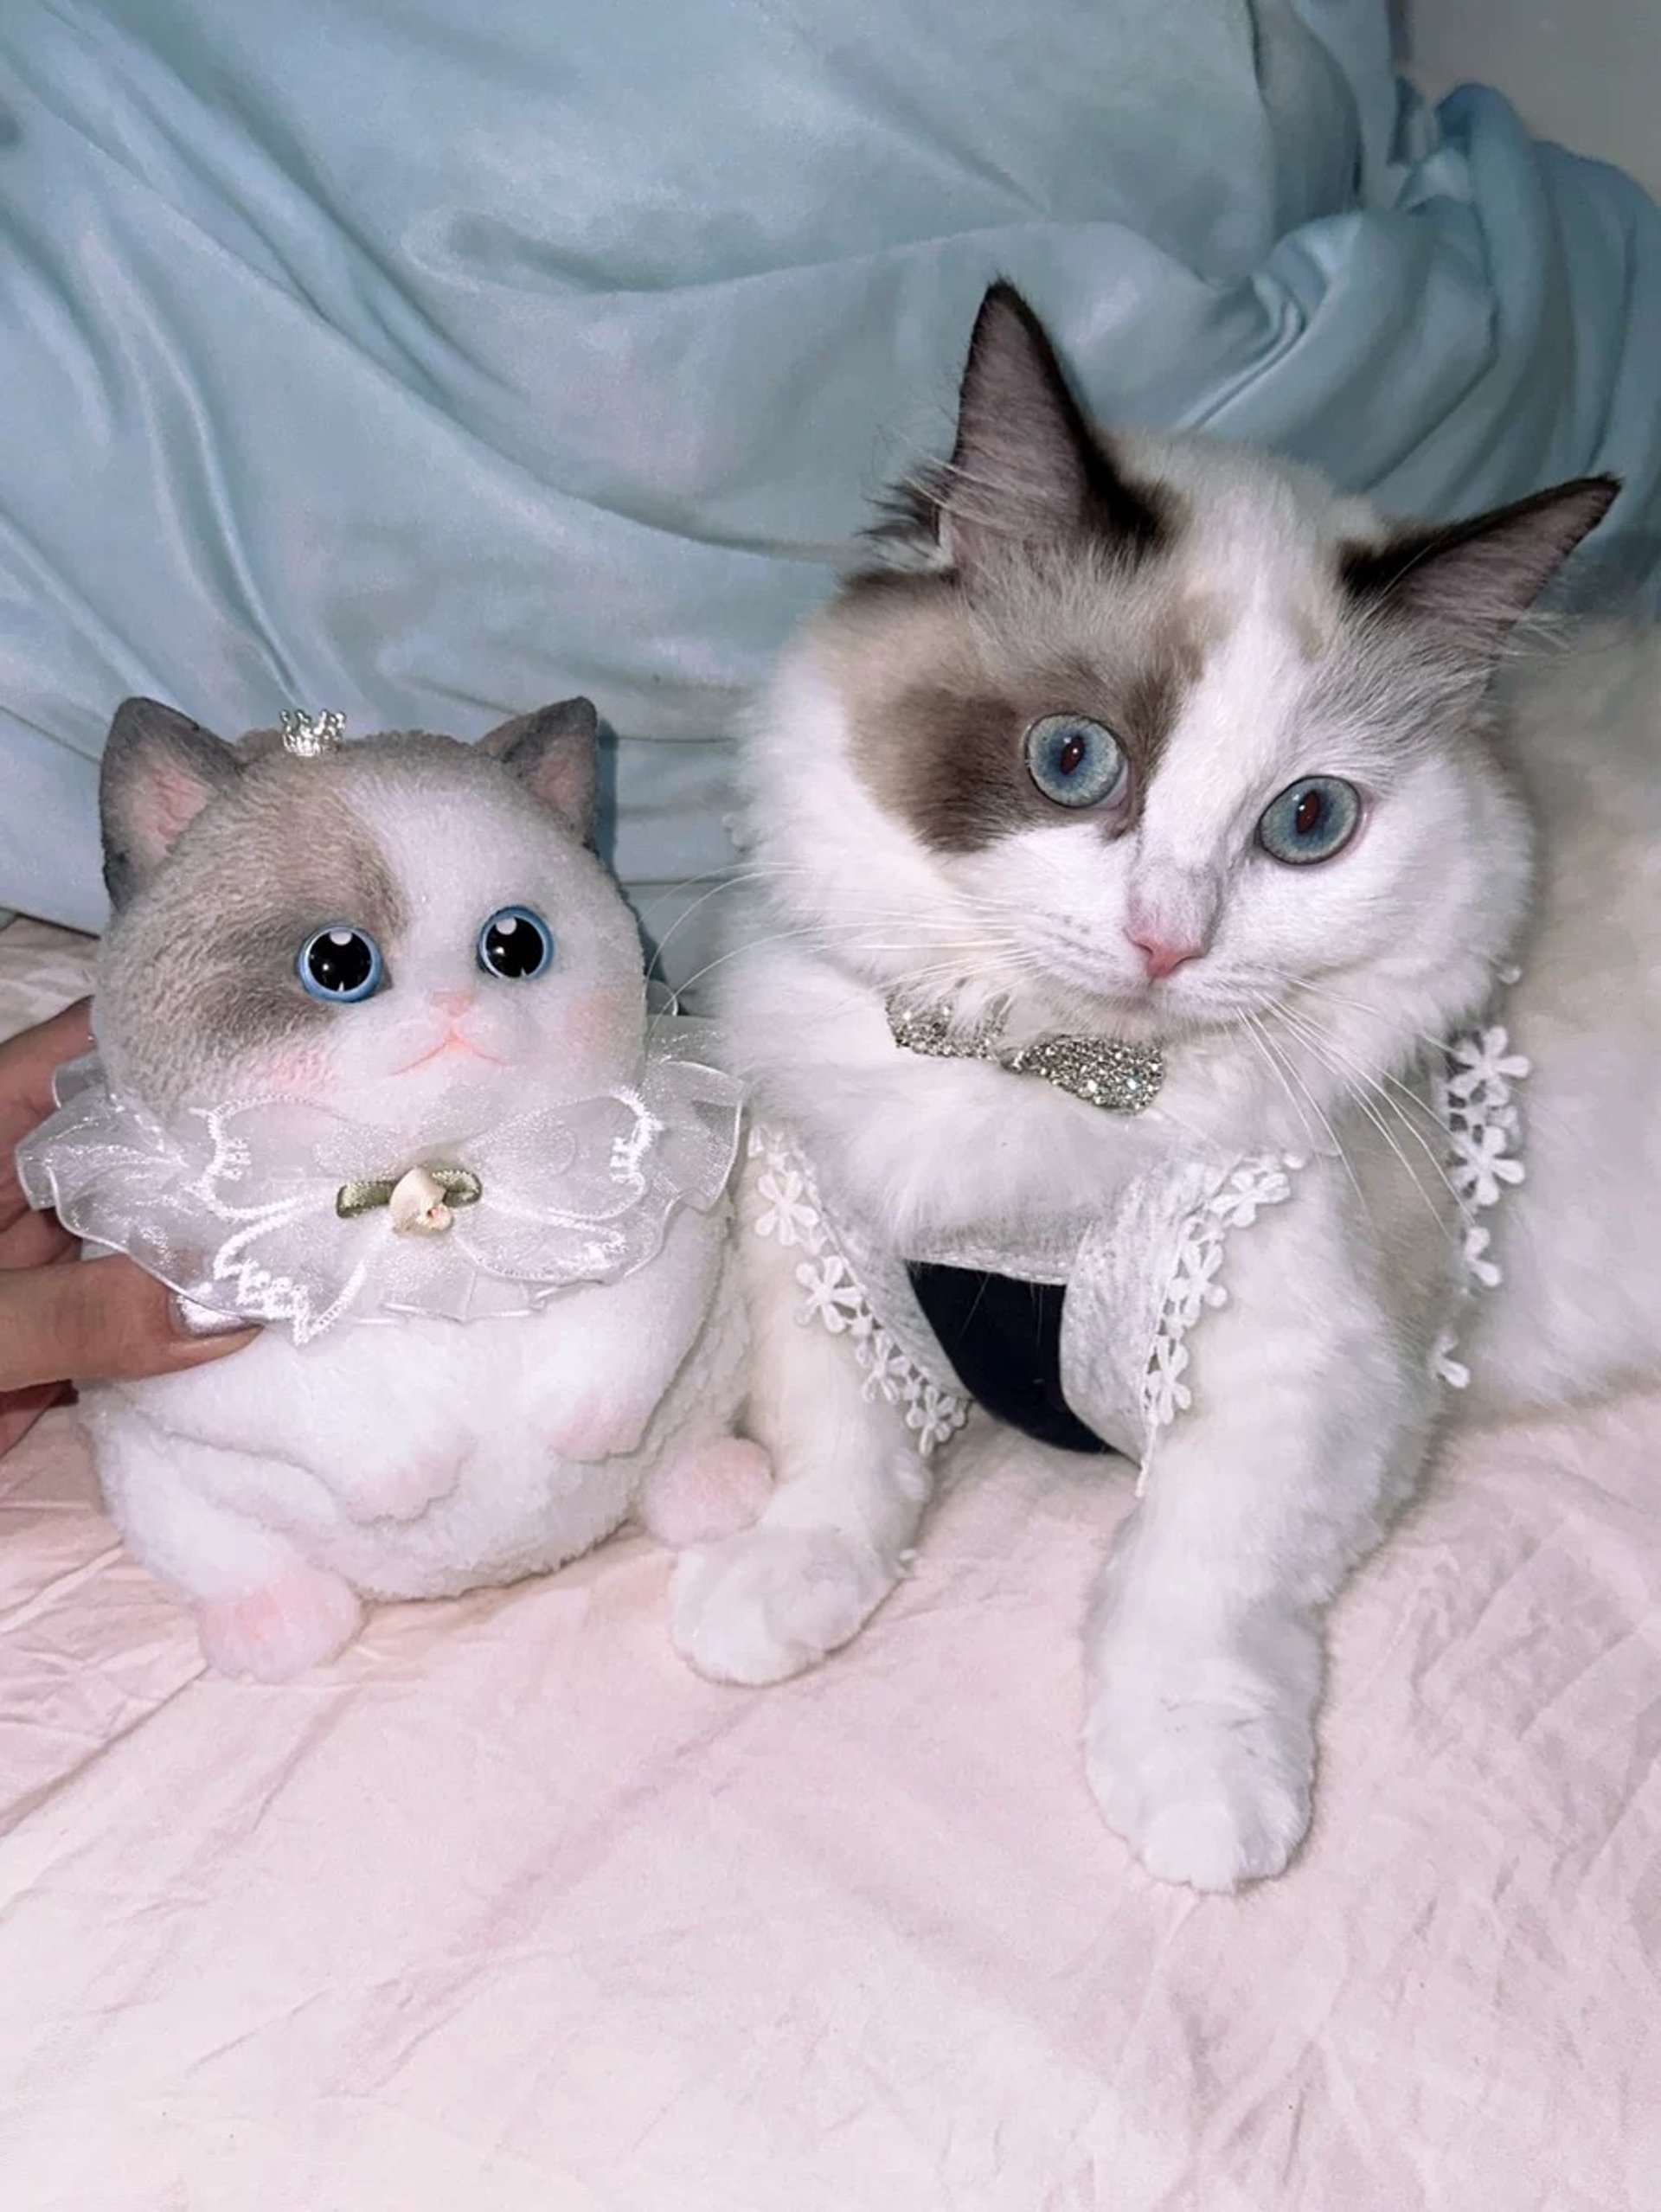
point(102, 1323)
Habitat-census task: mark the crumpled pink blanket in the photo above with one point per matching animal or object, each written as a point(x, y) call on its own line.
point(506, 1911)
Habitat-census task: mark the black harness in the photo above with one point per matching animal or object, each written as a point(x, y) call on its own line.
point(1003, 1336)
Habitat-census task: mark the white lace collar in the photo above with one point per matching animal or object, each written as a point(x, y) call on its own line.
point(281, 1211)
point(1140, 1279)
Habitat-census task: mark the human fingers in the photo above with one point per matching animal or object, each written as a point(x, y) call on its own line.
point(33, 1240)
point(105, 1321)
point(30, 1060)
point(28, 1063)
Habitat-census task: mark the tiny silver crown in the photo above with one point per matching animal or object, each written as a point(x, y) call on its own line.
point(309, 736)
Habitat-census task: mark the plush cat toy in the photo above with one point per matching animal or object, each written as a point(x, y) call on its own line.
point(374, 1070)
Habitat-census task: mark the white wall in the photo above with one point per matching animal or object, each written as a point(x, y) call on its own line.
point(1586, 72)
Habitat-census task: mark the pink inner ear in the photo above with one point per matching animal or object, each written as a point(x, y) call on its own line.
point(172, 802)
point(564, 780)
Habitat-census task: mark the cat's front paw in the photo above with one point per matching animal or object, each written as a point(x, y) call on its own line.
point(303, 1619)
point(767, 1603)
point(1203, 1794)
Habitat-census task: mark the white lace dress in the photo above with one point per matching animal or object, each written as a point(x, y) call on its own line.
point(1139, 1278)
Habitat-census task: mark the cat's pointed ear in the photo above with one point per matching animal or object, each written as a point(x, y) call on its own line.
point(160, 770)
point(555, 753)
point(1472, 581)
point(1026, 469)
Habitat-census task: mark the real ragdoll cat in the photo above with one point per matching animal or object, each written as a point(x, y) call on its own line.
point(1139, 858)
point(376, 1072)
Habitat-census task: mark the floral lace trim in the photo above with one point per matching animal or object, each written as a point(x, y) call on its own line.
point(1473, 1101)
point(791, 1214)
point(1192, 1288)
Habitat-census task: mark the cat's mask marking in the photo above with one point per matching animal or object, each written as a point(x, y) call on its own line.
point(1064, 583)
point(964, 692)
point(1035, 520)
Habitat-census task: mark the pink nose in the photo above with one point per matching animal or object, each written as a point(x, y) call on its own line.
point(1161, 957)
point(452, 1001)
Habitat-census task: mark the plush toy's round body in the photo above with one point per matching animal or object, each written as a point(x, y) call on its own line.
point(374, 1070)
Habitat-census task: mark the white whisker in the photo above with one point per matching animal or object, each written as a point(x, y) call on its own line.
point(1255, 1029)
point(1325, 1052)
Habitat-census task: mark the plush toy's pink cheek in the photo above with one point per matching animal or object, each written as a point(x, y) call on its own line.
point(301, 1071)
point(600, 1024)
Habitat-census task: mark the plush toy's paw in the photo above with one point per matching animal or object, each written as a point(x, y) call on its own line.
point(405, 1491)
point(303, 1620)
point(708, 1494)
point(1202, 1793)
point(597, 1426)
point(769, 1602)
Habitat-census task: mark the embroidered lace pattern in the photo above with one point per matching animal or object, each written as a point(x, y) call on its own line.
point(238, 1207)
point(791, 1213)
point(1474, 1100)
point(1194, 1287)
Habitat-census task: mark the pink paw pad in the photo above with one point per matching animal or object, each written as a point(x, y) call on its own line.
point(594, 1431)
point(712, 1492)
point(302, 1620)
point(406, 1493)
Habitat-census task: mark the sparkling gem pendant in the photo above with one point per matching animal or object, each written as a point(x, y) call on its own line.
point(1103, 1072)
point(930, 1030)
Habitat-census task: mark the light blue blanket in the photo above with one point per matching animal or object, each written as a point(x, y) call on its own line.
point(432, 359)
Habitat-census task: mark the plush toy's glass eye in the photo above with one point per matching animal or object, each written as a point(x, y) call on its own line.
point(341, 965)
point(1076, 763)
point(1312, 820)
point(515, 944)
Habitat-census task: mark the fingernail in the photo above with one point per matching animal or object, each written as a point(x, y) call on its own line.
point(190, 1319)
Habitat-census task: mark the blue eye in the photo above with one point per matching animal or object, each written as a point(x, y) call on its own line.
point(1076, 762)
point(515, 944)
point(1310, 820)
point(341, 965)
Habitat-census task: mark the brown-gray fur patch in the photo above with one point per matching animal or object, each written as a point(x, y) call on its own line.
point(941, 692)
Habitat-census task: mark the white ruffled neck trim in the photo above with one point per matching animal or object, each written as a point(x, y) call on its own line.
point(242, 1209)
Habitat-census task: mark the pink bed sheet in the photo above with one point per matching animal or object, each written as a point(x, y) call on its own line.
point(506, 1910)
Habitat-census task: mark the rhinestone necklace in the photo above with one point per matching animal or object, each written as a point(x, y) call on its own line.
point(1104, 1071)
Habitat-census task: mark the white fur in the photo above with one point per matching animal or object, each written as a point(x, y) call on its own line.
point(1315, 1404)
point(1581, 1311)
point(419, 1460)
point(426, 1457)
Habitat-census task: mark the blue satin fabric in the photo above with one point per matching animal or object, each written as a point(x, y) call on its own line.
point(430, 360)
